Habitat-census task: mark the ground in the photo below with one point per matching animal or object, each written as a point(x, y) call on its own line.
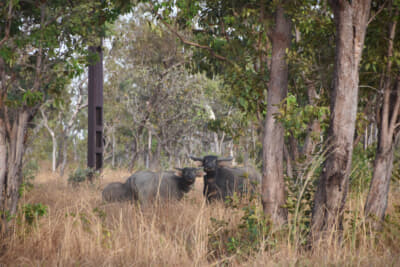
point(79, 229)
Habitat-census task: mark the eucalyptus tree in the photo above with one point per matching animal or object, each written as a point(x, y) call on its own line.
point(40, 43)
point(384, 50)
point(351, 18)
point(60, 120)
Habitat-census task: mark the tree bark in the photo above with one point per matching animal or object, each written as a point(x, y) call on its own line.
point(388, 133)
point(273, 185)
point(376, 203)
point(148, 154)
point(134, 153)
point(351, 22)
point(12, 144)
point(54, 141)
point(113, 147)
point(64, 154)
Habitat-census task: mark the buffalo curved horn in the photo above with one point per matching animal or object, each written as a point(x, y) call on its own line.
point(178, 169)
point(225, 159)
point(196, 158)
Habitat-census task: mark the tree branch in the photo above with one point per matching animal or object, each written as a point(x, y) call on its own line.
point(377, 13)
point(396, 110)
point(183, 40)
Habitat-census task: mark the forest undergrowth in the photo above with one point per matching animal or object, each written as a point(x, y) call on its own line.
point(63, 225)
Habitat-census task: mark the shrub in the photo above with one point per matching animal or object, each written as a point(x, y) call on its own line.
point(29, 171)
point(32, 212)
point(82, 175)
point(245, 238)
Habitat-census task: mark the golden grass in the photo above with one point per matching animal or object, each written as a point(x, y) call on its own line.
point(80, 230)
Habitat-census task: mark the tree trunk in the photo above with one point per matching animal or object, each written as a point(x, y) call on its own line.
point(376, 202)
point(59, 152)
point(216, 144)
point(273, 185)
point(76, 154)
point(377, 199)
point(64, 155)
point(135, 151)
point(54, 142)
point(148, 155)
point(113, 146)
point(12, 144)
point(351, 23)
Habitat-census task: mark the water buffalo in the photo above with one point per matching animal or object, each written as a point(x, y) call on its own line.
point(117, 192)
point(146, 186)
point(221, 181)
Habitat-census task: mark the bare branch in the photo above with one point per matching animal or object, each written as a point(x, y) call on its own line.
point(396, 110)
point(377, 13)
point(46, 124)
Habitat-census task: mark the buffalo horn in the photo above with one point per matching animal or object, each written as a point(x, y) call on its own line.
point(196, 158)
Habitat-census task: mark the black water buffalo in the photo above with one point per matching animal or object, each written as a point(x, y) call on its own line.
point(117, 192)
point(221, 181)
point(147, 186)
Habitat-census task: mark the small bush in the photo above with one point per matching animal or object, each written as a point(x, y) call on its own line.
point(244, 238)
point(82, 175)
point(29, 171)
point(362, 166)
point(32, 212)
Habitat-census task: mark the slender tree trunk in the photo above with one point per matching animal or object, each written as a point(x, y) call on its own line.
point(59, 156)
point(377, 199)
point(351, 22)
point(216, 144)
point(12, 142)
point(64, 155)
point(221, 144)
point(76, 154)
point(113, 146)
point(288, 160)
point(54, 153)
point(135, 150)
point(388, 133)
point(148, 155)
point(3, 161)
point(273, 185)
point(53, 140)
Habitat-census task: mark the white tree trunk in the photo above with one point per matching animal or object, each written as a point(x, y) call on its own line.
point(53, 140)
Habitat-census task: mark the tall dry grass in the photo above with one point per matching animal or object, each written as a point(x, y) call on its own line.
point(80, 230)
